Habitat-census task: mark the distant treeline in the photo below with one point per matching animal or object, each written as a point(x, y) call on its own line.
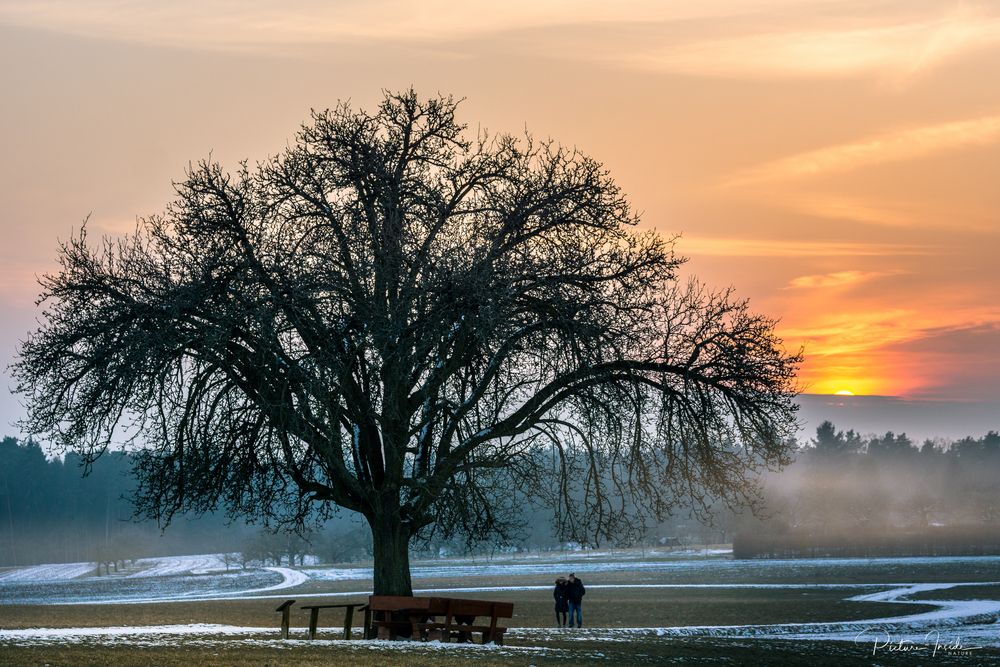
point(849, 495)
point(51, 512)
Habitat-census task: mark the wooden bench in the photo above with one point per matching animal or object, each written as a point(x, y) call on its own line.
point(348, 616)
point(460, 621)
point(401, 617)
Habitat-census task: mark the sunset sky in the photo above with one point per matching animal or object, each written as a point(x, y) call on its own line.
point(837, 162)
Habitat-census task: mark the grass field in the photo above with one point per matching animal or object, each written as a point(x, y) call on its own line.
point(645, 612)
point(610, 608)
point(555, 651)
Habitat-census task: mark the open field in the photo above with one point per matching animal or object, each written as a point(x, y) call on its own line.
point(641, 608)
point(555, 653)
point(605, 608)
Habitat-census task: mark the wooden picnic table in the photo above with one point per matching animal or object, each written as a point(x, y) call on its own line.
point(398, 617)
point(393, 616)
point(413, 617)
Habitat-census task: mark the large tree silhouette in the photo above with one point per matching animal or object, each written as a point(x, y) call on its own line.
point(420, 325)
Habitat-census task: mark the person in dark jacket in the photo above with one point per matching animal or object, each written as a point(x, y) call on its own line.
point(560, 593)
point(574, 596)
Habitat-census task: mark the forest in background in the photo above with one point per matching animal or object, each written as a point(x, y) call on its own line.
point(853, 495)
point(51, 512)
point(846, 494)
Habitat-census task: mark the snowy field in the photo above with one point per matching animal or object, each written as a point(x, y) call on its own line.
point(163, 579)
point(205, 577)
point(945, 614)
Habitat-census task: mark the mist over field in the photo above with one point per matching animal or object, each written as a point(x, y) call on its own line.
point(846, 493)
point(854, 495)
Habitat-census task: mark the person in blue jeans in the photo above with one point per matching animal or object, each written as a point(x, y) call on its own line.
point(574, 596)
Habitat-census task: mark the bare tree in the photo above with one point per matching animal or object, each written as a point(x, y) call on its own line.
point(421, 326)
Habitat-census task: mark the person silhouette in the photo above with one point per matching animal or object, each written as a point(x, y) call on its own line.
point(575, 592)
point(561, 593)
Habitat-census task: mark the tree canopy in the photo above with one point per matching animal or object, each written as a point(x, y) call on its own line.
point(418, 324)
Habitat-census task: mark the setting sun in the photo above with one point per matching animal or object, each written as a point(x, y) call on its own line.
point(843, 392)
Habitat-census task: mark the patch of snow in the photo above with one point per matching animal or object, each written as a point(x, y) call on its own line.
point(548, 567)
point(291, 578)
point(76, 634)
point(975, 621)
point(168, 566)
point(341, 573)
point(50, 572)
point(209, 634)
point(598, 562)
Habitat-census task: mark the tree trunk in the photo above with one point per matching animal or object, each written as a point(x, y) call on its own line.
point(391, 543)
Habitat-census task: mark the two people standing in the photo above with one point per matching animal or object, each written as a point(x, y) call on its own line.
point(568, 595)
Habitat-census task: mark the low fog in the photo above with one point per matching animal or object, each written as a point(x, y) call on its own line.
point(849, 494)
point(846, 494)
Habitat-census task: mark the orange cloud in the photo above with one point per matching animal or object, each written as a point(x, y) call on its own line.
point(891, 147)
point(740, 247)
point(956, 361)
point(848, 352)
point(837, 279)
point(880, 351)
point(855, 331)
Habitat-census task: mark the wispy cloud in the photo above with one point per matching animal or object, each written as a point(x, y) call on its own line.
point(890, 213)
point(844, 208)
point(262, 23)
point(893, 48)
point(836, 279)
point(891, 147)
point(757, 38)
point(741, 247)
point(851, 332)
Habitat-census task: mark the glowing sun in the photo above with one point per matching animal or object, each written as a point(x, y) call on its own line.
point(843, 392)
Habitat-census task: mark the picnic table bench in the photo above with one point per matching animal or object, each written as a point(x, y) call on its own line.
point(348, 616)
point(414, 617)
point(286, 607)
